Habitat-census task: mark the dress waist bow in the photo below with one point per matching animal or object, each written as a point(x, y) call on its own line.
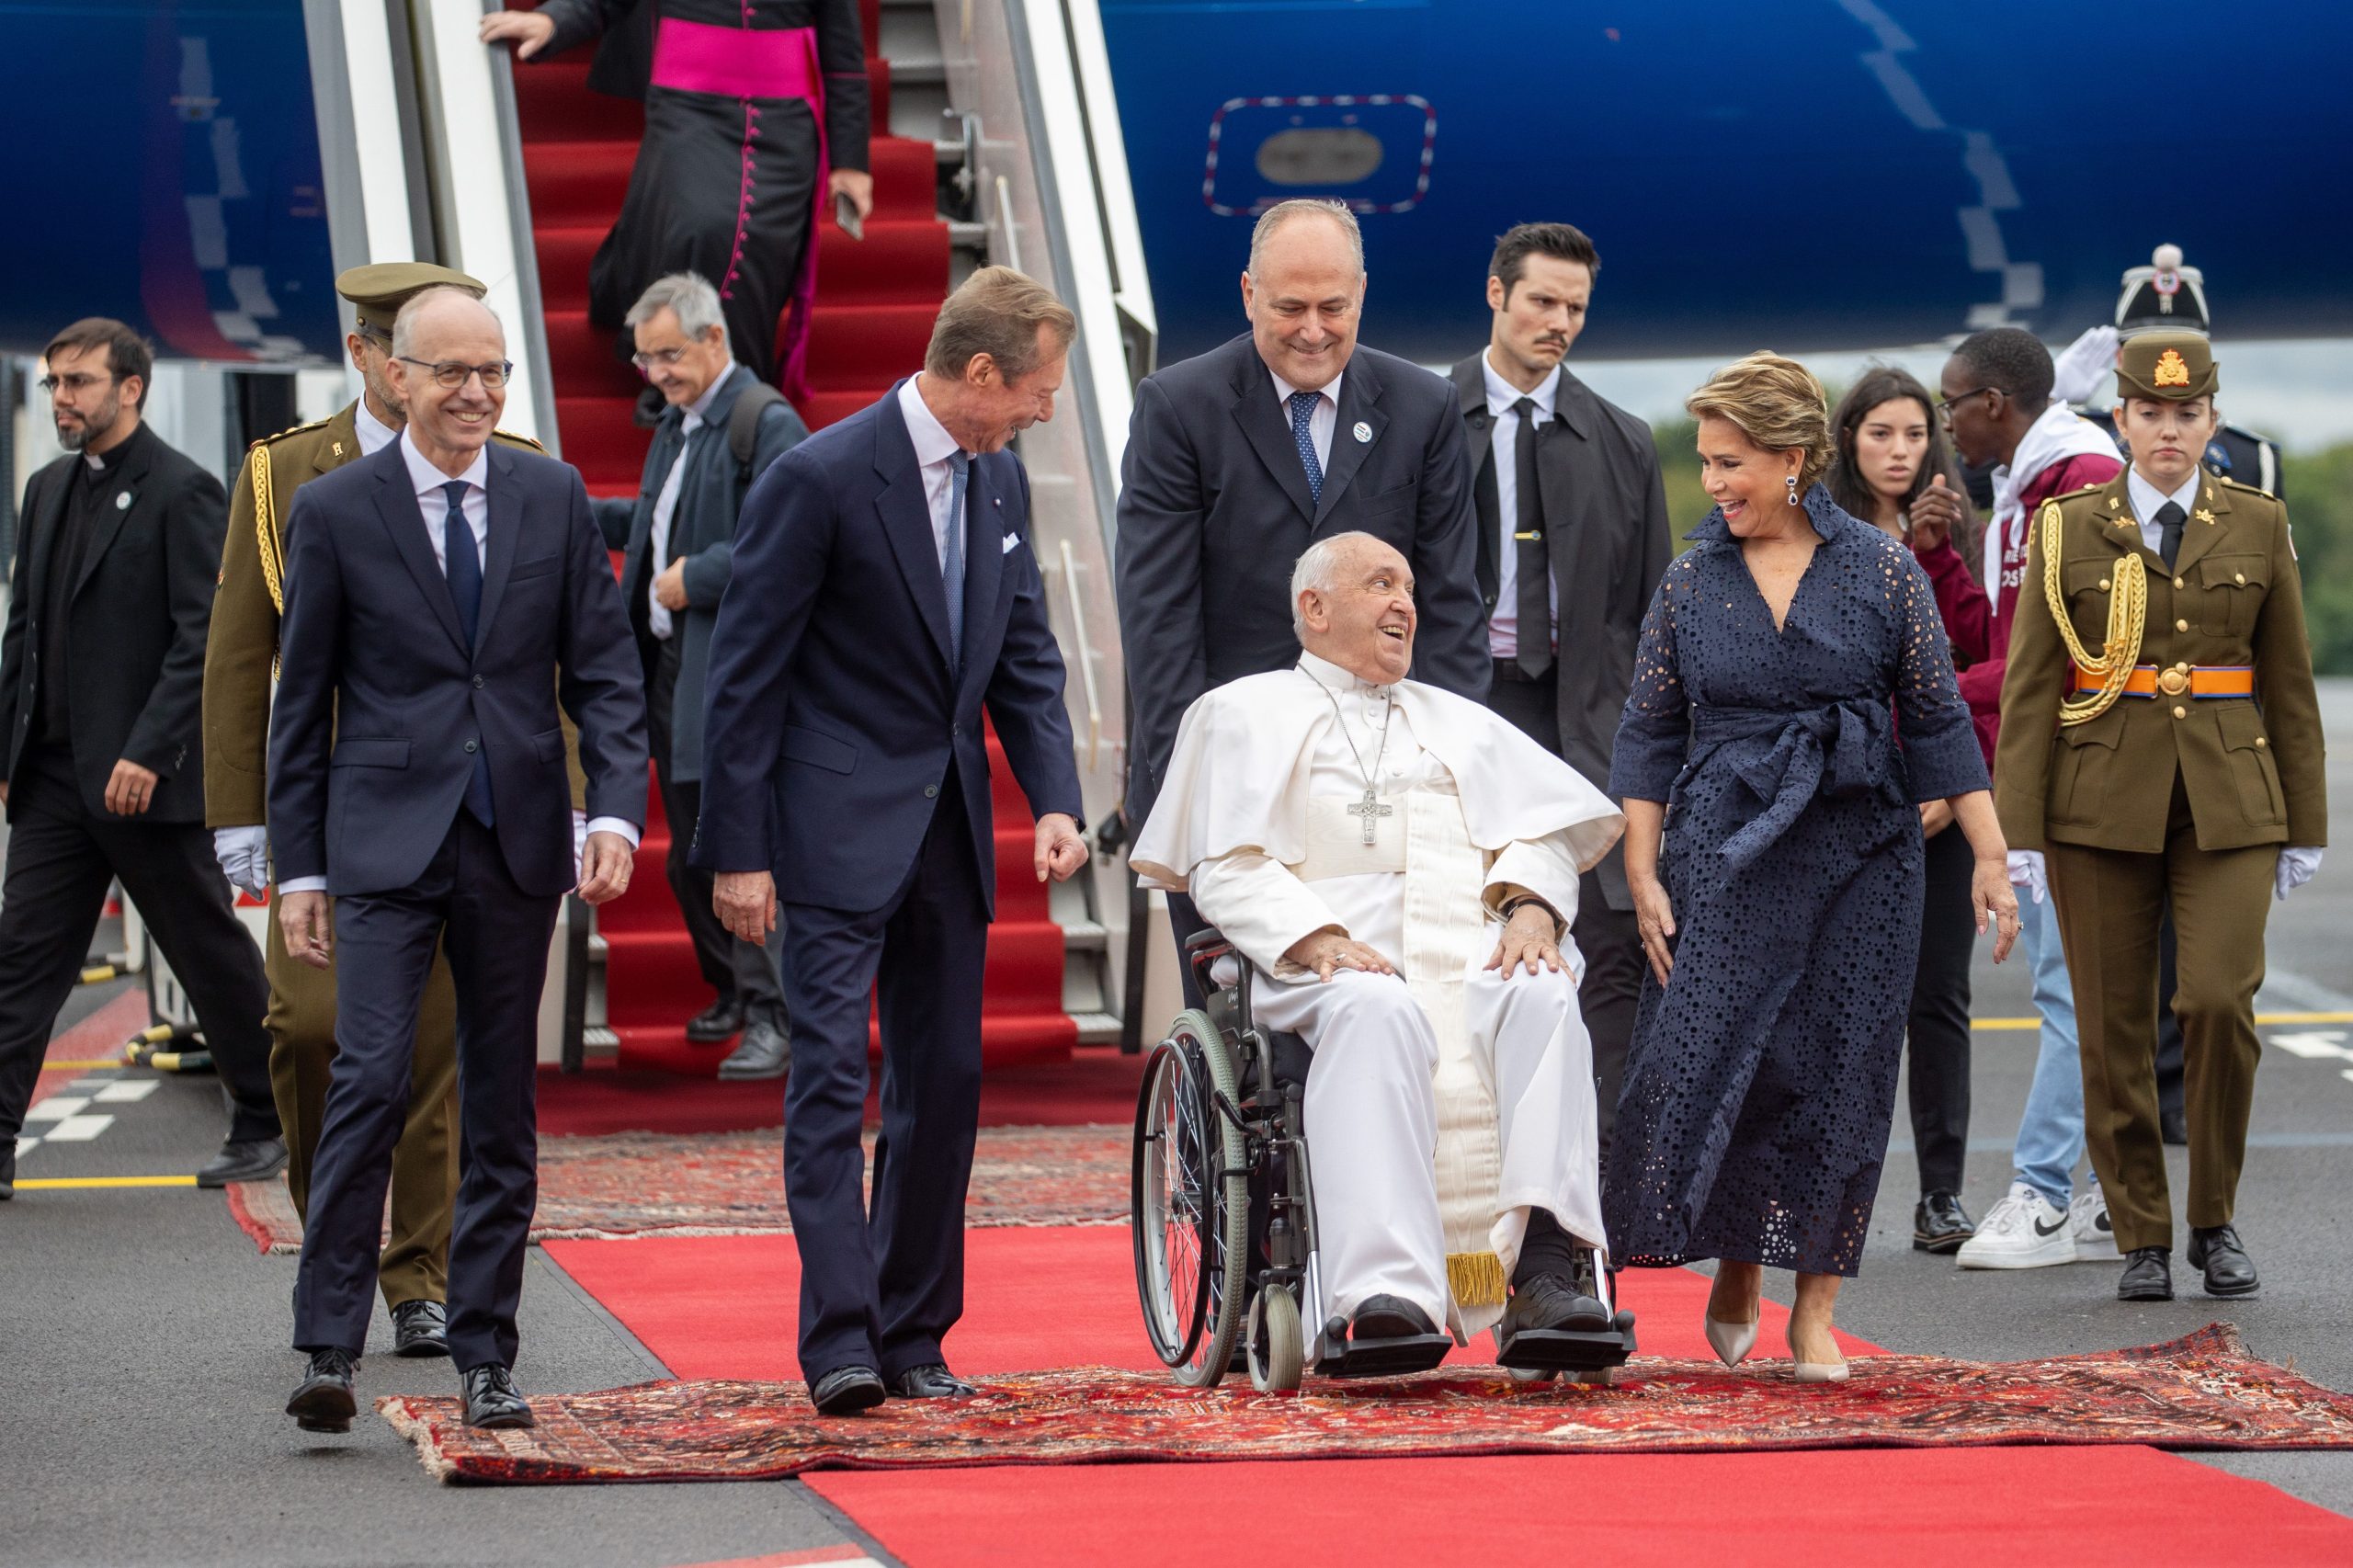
point(1841, 748)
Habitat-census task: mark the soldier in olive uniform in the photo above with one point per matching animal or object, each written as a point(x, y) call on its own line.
point(239, 672)
point(2161, 741)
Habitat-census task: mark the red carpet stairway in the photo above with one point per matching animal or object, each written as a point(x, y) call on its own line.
point(875, 303)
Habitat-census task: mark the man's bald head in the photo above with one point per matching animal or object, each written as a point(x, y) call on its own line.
point(441, 334)
point(440, 313)
point(1305, 290)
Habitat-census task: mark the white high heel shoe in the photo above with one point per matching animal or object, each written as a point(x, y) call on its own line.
point(1732, 1341)
point(1820, 1371)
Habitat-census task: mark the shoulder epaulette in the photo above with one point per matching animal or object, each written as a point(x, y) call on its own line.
point(2083, 490)
point(293, 430)
point(513, 439)
point(2250, 489)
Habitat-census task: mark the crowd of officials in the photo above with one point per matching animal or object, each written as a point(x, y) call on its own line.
point(391, 679)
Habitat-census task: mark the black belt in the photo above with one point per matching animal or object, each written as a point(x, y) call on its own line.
point(1507, 671)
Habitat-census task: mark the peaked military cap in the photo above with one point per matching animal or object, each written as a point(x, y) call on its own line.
point(377, 292)
point(2173, 366)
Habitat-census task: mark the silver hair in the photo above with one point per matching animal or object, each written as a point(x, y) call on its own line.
point(1282, 212)
point(1319, 568)
point(404, 323)
point(688, 293)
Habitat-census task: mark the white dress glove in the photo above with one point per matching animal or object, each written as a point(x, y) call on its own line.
point(2076, 372)
point(243, 853)
point(2296, 869)
point(2026, 871)
point(579, 843)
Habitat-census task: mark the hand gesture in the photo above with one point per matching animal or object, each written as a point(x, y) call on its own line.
point(1934, 513)
point(746, 903)
point(1654, 919)
point(307, 920)
point(1532, 936)
point(1061, 851)
point(1330, 950)
point(530, 29)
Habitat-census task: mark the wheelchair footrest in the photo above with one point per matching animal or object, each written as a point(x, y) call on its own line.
point(1386, 1358)
point(1569, 1349)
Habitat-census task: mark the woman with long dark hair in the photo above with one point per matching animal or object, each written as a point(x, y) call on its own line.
point(1889, 457)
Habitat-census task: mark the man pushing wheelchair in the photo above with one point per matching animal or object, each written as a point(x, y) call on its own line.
point(1399, 868)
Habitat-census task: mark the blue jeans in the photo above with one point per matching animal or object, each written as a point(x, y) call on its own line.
point(2050, 1132)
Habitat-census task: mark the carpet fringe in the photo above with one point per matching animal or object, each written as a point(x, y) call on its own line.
point(419, 1431)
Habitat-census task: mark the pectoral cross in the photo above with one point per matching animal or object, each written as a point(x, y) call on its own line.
point(1367, 809)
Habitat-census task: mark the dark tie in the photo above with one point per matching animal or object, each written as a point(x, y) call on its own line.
point(2169, 520)
point(1303, 431)
point(465, 588)
point(1535, 570)
point(951, 558)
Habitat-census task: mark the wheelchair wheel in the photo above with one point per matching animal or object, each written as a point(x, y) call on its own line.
point(1276, 1341)
point(1189, 1203)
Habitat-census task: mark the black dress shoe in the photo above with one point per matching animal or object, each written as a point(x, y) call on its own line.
point(1389, 1317)
point(724, 1019)
point(2228, 1270)
point(846, 1391)
point(491, 1402)
point(256, 1159)
point(1550, 1302)
point(323, 1401)
point(419, 1329)
point(931, 1381)
point(2148, 1275)
point(765, 1051)
point(1939, 1223)
point(2173, 1126)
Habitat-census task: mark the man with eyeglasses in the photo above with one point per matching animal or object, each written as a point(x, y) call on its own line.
point(721, 427)
point(101, 675)
point(240, 677)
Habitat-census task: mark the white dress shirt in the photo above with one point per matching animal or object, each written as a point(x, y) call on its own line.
point(1503, 433)
point(374, 434)
point(1320, 424)
point(934, 445)
point(2147, 498)
point(665, 505)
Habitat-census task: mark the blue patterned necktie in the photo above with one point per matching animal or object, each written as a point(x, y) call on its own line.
point(1302, 431)
point(952, 560)
point(465, 587)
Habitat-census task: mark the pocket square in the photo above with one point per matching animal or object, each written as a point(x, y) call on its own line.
point(1010, 540)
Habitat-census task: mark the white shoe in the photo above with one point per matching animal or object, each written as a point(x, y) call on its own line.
point(2087, 1222)
point(2023, 1230)
point(1819, 1371)
point(1734, 1341)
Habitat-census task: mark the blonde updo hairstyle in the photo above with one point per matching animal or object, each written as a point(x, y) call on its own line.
point(1776, 403)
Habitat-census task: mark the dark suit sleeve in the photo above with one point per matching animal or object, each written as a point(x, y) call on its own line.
point(841, 55)
point(302, 724)
point(1025, 695)
point(12, 642)
point(614, 515)
point(1158, 579)
point(708, 569)
point(601, 683)
point(195, 524)
point(1451, 649)
point(782, 539)
point(577, 21)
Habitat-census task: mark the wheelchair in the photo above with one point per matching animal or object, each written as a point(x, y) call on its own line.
point(1222, 1211)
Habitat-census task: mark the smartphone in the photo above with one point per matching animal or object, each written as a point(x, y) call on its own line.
point(846, 215)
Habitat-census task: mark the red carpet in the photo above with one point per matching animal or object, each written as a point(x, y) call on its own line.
point(100, 1036)
point(875, 303)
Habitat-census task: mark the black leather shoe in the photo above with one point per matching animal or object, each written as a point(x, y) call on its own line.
point(419, 1329)
point(724, 1019)
point(932, 1381)
point(1550, 1302)
point(323, 1401)
point(256, 1159)
point(1939, 1223)
point(2148, 1275)
point(765, 1051)
point(1389, 1317)
point(2173, 1126)
point(846, 1391)
point(491, 1400)
point(8, 1171)
point(2228, 1270)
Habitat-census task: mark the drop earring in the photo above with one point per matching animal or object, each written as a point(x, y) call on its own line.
point(1793, 489)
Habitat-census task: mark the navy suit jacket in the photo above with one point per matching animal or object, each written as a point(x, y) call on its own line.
point(380, 703)
point(1214, 511)
point(832, 714)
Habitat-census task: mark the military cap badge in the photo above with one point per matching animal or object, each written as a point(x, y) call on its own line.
point(2172, 370)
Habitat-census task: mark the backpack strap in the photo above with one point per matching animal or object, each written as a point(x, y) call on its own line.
point(743, 425)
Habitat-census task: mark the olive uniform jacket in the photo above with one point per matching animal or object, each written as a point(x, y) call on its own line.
point(2252, 767)
point(239, 660)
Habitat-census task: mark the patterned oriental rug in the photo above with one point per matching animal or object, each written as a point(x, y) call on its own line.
point(624, 1185)
point(2204, 1391)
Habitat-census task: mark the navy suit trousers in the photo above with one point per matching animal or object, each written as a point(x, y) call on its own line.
point(496, 936)
point(882, 1288)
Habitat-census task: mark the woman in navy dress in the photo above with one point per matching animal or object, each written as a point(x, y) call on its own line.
point(1773, 847)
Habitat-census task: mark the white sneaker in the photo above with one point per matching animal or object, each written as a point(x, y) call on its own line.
point(2087, 1223)
point(2023, 1230)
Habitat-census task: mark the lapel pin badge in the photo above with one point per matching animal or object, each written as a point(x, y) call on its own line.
point(1363, 432)
point(122, 501)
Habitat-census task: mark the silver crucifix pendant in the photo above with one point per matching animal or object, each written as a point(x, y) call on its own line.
point(1366, 810)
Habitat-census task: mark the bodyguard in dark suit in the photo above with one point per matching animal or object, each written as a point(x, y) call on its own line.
point(440, 596)
point(1573, 537)
point(678, 536)
point(101, 692)
point(885, 602)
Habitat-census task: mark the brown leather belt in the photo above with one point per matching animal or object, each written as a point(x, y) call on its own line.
point(2173, 680)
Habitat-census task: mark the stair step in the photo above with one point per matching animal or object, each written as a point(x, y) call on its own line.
point(1097, 1029)
point(867, 345)
point(579, 182)
point(1085, 936)
point(901, 261)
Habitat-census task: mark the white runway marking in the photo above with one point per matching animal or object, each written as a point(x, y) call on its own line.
point(57, 1107)
point(126, 1089)
point(79, 1128)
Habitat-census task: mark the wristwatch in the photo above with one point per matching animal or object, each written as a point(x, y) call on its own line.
point(1514, 906)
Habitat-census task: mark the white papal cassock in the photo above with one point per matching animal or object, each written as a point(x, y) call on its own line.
point(1446, 1100)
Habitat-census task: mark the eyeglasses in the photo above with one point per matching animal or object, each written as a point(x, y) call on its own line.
point(452, 373)
point(1945, 404)
point(76, 384)
point(665, 358)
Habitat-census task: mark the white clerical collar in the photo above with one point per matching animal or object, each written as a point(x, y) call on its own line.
point(932, 441)
point(2147, 499)
point(1502, 394)
point(1285, 391)
point(373, 433)
point(1332, 677)
point(428, 480)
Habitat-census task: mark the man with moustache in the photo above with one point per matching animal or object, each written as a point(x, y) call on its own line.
point(101, 680)
point(1573, 537)
point(1240, 458)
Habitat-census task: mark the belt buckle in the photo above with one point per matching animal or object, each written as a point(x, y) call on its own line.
point(2175, 681)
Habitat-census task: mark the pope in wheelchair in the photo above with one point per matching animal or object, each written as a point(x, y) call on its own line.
point(1391, 872)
